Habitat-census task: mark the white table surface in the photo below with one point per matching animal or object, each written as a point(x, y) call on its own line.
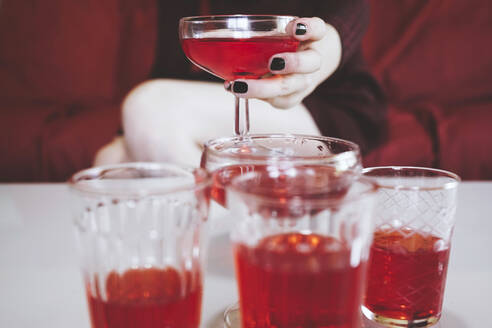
point(41, 286)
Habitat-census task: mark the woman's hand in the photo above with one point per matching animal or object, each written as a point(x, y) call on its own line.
point(296, 74)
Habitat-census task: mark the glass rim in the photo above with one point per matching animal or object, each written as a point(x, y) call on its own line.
point(370, 188)
point(208, 147)
point(218, 18)
point(450, 184)
point(228, 312)
point(97, 173)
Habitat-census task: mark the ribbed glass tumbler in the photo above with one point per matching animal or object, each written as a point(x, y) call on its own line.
point(141, 233)
point(300, 251)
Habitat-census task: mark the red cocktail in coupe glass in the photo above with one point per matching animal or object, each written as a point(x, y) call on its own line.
point(414, 217)
point(229, 157)
point(300, 252)
point(236, 47)
point(141, 233)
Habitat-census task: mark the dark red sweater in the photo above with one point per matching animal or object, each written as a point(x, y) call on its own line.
point(349, 105)
point(65, 67)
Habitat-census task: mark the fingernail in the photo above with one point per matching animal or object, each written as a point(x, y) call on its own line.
point(301, 29)
point(277, 64)
point(240, 87)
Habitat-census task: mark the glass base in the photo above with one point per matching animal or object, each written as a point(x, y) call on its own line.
point(397, 323)
point(232, 319)
point(232, 316)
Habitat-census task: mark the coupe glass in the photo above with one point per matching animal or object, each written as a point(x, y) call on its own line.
point(236, 47)
point(232, 156)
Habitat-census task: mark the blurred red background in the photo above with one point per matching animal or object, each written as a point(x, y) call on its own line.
point(65, 67)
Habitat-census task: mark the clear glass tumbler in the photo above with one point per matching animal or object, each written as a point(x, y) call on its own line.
point(414, 220)
point(300, 252)
point(141, 234)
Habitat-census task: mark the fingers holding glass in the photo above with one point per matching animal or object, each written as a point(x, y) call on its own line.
point(307, 61)
point(276, 86)
point(295, 74)
point(307, 29)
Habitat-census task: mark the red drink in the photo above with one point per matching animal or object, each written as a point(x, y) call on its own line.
point(223, 176)
point(406, 275)
point(235, 58)
point(328, 176)
point(295, 280)
point(148, 298)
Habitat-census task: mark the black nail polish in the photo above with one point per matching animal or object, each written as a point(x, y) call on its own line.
point(301, 29)
point(277, 64)
point(240, 87)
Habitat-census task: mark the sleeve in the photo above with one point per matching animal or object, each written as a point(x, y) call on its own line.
point(65, 67)
point(350, 104)
point(350, 18)
point(50, 143)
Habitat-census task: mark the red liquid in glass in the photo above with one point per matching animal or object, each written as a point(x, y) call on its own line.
point(406, 275)
point(148, 298)
point(338, 182)
point(222, 177)
point(235, 58)
point(295, 280)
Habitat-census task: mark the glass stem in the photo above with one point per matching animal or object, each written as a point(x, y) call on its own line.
point(241, 124)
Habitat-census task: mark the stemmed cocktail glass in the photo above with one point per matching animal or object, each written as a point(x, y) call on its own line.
point(228, 158)
point(236, 47)
point(337, 161)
